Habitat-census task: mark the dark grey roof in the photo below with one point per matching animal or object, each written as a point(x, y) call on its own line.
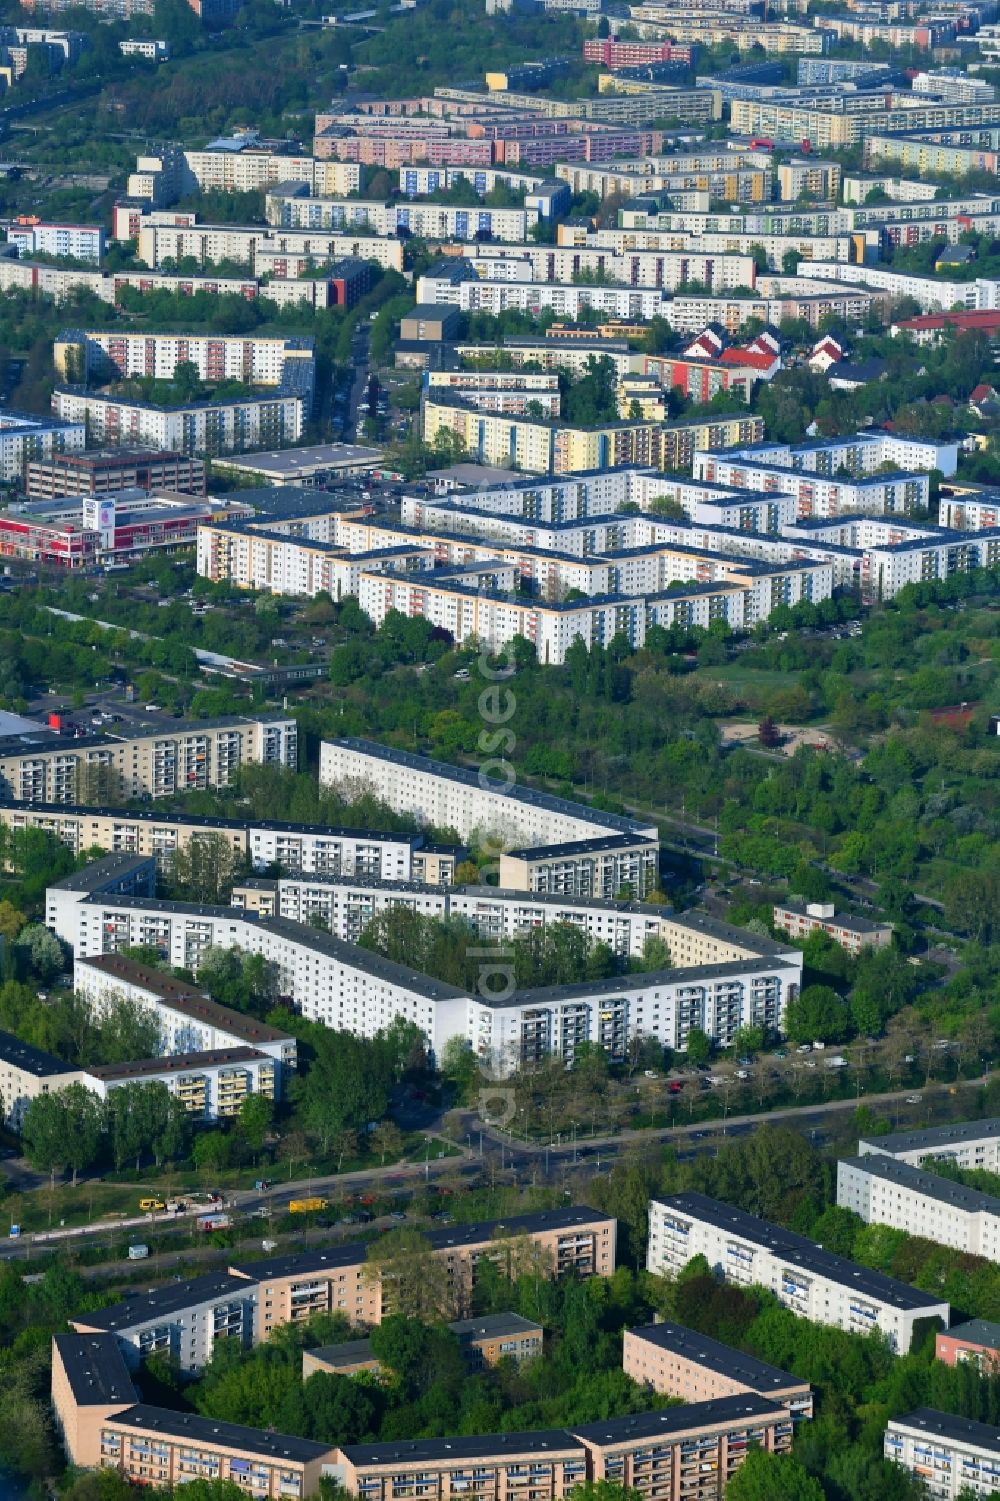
point(800, 1252)
point(930, 1185)
point(214, 1431)
point(367, 960)
point(756, 1375)
point(183, 997)
point(518, 1224)
point(104, 872)
point(977, 1332)
point(728, 1411)
point(174, 1063)
point(844, 920)
point(95, 1369)
point(139, 1308)
point(935, 1139)
point(625, 984)
point(302, 1263)
point(947, 1426)
point(494, 1326)
point(163, 818)
point(487, 1446)
point(32, 1060)
point(351, 1352)
point(581, 847)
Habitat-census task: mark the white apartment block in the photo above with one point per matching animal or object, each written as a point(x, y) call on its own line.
point(816, 494)
point(308, 848)
point(256, 359)
point(447, 796)
point(84, 242)
point(181, 1321)
point(933, 293)
point(24, 436)
point(346, 905)
point(630, 247)
point(211, 1086)
point(952, 1456)
point(428, 221)
point(720, 978)
point(814, 1283)
point(492, 617)
point(970, 512)
point(719, 267)
point(237, 425)
point(567, 301)
point(966, 1144)
point(861, 454)
point(188, 1020)
point(888, 569)
point(270, 252)
point(885, 1192)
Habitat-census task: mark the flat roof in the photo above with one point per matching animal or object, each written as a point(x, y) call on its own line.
point(292, 461)
point(580, 847)
point(164, 819)
point(185, 998)
point(799, 1251)
point(755, 1374)
point(673, 1420)
point(302, 1263)
point(492, 1325)
point(101, 873)
point(174, 1063)
point(934, 1138)
point(137, 1308)
point(214, 1431)
point(31, 1060)
point(931, 1185)
point(527, 795)
point(462, 1446)
point(976, 1332)
point(845, 920)
point(95, 1369)
point(946, 1425)
point(351, 1352)
point(355, 957)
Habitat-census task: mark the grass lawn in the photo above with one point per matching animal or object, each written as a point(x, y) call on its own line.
point(45, 1208)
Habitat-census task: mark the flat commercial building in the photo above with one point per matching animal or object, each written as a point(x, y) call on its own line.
point(814, 1283)
point(884, 1191)
point(111, 527)
point(965, 1143)
point(48, 768)
point(679, 1362)
point(952, 1456)
point(116, 469)
point(25, 1074)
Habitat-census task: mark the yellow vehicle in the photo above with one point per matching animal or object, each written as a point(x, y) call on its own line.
point(148, 1205)
point(306, 1206)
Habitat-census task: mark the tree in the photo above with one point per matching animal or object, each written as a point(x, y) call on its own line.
point(205, 867)
point(817, 1015)
point(84, 1123)
point(11, 920)
point(344, 1144)
point(45, 1134)
point(412, 1279)
point(773, 1477)
point(254, 1123)
point(44, 953)
point(128, 1031)
point(699, 1045)
point(387, 1140)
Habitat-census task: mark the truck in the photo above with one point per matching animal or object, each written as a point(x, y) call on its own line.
point(216, 1220)
point(306, 1206)
point(138, 1252)
point(151, 1206)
